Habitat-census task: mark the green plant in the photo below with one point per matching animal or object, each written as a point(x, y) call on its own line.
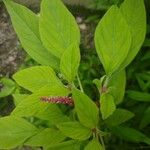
point(52, 38)
point(7, 87)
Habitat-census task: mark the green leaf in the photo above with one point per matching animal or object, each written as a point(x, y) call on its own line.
point(130, 134)
point(145, 119)
point(135, 15)
point(33, 106)
point(112, 39)
point(68, 145)
point(34, 78)
point(94, 145)
point(8, 86)
point(70, 62)
point(107, 105)
point(46, 138)
point(75, 130)
point(87, 111)
point(98, 83)
point(58, 28)
point(19, 97)
point(118, 83)
point(14, 131)
point(118, 117)
point(138, 96)
point(26, 25)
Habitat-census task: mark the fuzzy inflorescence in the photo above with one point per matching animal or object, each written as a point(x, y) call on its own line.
point(58, 100)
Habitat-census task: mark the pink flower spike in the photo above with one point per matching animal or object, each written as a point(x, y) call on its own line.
point(58, 100)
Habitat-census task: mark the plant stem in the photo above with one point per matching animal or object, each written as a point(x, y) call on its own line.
point(106, 81)
point(102, 141)
point(80, 84)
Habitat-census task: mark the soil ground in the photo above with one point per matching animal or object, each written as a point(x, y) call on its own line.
point(11, 55)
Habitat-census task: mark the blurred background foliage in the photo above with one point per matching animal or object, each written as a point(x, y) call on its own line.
point(137, 97)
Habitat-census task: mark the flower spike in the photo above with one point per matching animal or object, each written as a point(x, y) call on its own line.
point(58, 100)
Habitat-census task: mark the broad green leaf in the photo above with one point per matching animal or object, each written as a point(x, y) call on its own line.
point(8, 86)
point(134, 13)
point(118, 117)
point(34, 78)
point(33, 106)
point(70, 62)
point(26, 25)
point(46, 137)
point(112, 39)
point(130, 134)
point(107, 105)
point(87, 111)
point(19, 97)
point(58, 28)
point(138, 96)
point(146, 118)
point(118, 83)
point(68, 145)
point(94, 145)
point(75, 130)
point(14, 131)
